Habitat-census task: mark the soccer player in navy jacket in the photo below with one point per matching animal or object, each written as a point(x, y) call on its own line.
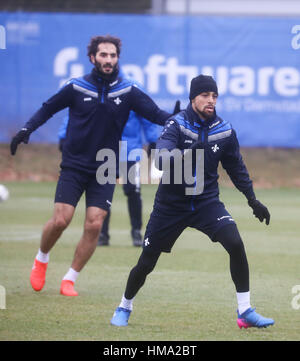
point(136, 130)
point(202, 139)
point(99, 104)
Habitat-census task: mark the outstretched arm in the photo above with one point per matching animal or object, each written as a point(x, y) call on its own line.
point(146, 107)
point(59, 101)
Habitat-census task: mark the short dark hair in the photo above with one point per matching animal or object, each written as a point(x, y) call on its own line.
point(96, 40)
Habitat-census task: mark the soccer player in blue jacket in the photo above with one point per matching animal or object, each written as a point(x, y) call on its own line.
point(183, 202)
point(99, 104)
point(137, 131)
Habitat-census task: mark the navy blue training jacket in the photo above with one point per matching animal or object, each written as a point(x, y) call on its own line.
point(220, 144)
point(98, 111)
point(136, 132)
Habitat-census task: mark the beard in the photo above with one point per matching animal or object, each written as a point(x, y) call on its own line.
point(206, 114)
point(103, 74)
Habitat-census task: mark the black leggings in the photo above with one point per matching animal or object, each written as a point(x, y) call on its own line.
point(138, 274)
point(230, 239)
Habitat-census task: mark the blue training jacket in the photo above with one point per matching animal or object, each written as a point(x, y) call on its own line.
point(219, 143)
point(98, 112)
point(137, 131)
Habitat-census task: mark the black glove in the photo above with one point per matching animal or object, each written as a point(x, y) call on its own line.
point(151, 146)
point(21, 137)
point(259, 210)
point(177, 107)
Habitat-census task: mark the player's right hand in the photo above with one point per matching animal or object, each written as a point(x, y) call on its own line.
point(21, 137)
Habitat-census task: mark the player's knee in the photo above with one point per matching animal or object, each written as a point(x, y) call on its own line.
point(231, 240)
point(236, 245)
point(93, 226)
point(60, 223)
point(147, 267)
point(147, 262)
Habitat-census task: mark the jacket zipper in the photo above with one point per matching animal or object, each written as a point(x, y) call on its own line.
point(102, 94)
point(202, 137)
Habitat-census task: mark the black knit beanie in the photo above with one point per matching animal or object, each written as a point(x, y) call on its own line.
point(201, 84)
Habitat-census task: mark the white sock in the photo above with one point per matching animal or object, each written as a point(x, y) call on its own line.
point(42, 257)
point(243, 299)
point(71, 275)
point(128, 304)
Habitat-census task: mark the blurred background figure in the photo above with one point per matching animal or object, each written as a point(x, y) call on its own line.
point(62, 133)
point(137, 132)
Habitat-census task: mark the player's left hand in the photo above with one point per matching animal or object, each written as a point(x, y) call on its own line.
point(259, 210)
point(176, 107)
point(21, 137)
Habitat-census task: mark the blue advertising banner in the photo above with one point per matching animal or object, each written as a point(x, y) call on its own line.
point(256, 62)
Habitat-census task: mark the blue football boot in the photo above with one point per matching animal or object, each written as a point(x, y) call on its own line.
point(120, 317)
point(250, 318)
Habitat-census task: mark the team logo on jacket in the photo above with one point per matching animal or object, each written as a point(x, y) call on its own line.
point(118, 101)
point(113, 83)
point(147, 242)
point(215, 148)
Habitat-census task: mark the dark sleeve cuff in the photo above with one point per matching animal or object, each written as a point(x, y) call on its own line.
point(249, 194)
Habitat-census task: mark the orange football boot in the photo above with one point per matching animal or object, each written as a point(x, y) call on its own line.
point(67, 288)
point(38, 275)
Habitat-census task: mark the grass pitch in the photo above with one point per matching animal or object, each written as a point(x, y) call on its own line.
point(189, 295)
